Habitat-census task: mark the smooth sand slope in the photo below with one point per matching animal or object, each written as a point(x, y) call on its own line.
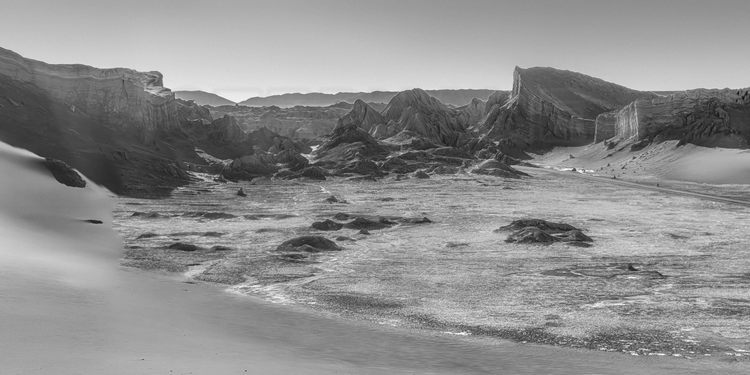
point(67, 308)
point(662, 161)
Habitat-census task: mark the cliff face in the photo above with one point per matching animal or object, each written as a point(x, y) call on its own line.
point(121, 97)
point(703, 117)
point(549, 107)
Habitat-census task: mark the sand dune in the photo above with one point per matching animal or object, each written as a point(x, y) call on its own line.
point(662, 161)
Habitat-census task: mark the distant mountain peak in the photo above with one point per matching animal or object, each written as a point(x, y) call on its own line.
point(203, 98)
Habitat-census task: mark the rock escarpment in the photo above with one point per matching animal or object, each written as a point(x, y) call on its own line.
point(121, 128)
point(119, 96)
point(714, 118)
point(551, 107)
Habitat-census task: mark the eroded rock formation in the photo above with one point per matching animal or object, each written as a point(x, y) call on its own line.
point(551, 107)
point(119, 96)
point(703, 117)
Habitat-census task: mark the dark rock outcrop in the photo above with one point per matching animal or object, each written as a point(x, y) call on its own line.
point(309, 244)
point(547, 226)
point(493, 167)
point(63, 173)
point(183, 246)
point(544, 232)
point(327, 225)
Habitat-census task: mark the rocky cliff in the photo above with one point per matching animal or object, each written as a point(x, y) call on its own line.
point(119, 96)
point(551, 107)
point(414, 113)
point(121, 127)
point(718, 118)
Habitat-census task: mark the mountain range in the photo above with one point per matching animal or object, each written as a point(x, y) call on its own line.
point(455, 98)
point(126, 131)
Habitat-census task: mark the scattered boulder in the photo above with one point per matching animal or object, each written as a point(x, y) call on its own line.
point(531, 235)
point(147, 215)
point(147, 235)
point(210, 215)
point(364, 231)
point(333, 199)
point(93, 221)
point(493, 167)
point(345, 238)
point(574, 235)
point(309, 244)
point(409, 220)
point(542, 231)
point(64, 173)
point(241, 193)
point(544, 225)
point(367, 224)
point(342, 216)
point(220, 248)
point(327, 225)
point(421, 175)
point(183, 246)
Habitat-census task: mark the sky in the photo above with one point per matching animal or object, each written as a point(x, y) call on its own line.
point(239, 49)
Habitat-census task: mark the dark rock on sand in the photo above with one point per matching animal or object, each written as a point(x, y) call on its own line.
point(364, 231)
point(345, 238)
point(93, 221)
point(421, 175)
point(415, 220)
point(531, 235)
point(147, 215)
point(544, 225)
point(542, 231)
point(574, 235)
point(183, 246)
point(367, 224)
point(309, 244)
point(241, 192)
point(327, 225)
point(220, 248)
point(342, 216)
point(209, 215)
point(496, 168)
point(147, 235)
point(64, 173)
point(333, 199)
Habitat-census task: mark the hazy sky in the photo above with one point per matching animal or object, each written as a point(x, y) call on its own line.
point(240, 49)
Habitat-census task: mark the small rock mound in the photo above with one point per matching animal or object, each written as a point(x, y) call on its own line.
point(531, 235)
point(421, 175)
point(493, 167)
point(327, 225)
point(183, 246)
point(367, 224)
point(64, 173)
point(308, 244)
point(544, 225)
point(241, 193)
point(542, 231)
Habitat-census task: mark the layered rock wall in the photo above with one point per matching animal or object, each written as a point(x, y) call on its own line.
point(551, 107)
point(119, 96)
point(707, 117)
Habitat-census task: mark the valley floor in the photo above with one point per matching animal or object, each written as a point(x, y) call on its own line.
point(456, 277)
